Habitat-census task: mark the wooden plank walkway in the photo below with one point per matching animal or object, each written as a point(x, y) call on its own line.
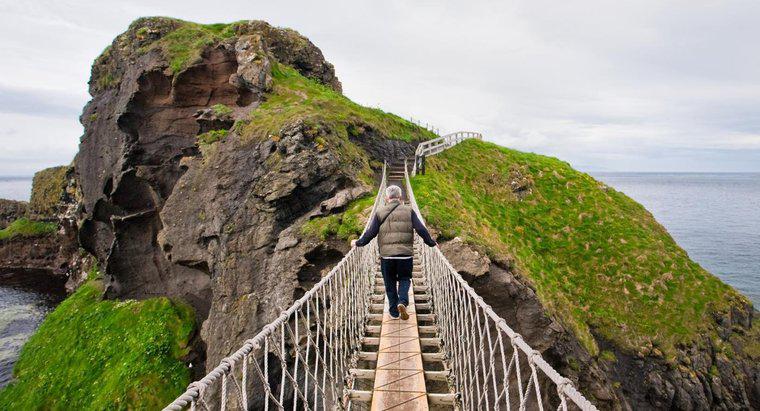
point(399, 374)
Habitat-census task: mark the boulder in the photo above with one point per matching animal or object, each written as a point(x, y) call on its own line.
point(11, 210)
point(465, 258)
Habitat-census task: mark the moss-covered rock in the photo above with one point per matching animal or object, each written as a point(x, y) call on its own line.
point(11, 210)
point(23, 227)
point(48, 188)
point(91, 354)
point(181, 44)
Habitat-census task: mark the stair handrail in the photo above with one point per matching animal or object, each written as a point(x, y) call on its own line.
point(436, 145)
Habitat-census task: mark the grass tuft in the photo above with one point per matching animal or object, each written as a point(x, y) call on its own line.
point(212, 136)
point(347, 225)
point(183, 46)
point(598, 260)
point(23, 227)
point(96, 355)
point(221, 110)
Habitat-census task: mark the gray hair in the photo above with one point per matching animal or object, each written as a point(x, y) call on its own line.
point(393, 192)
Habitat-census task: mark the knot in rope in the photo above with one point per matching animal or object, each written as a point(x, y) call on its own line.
point(228, 363)
point(516, 338)
point(533, 355)
point(564, 382)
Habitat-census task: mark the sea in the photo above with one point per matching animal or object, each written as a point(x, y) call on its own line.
point(25, 299)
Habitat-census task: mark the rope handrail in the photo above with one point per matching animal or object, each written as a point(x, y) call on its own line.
point(464, 318)
point(313, 374)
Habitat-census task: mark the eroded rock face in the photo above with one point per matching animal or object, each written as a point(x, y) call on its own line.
point(11, 210)
point(465, 259)
point(236, 215)
point(57, 254)
point(218, 225)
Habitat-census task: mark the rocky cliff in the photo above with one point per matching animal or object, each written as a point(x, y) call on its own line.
point(41, 235)
point(206, 149)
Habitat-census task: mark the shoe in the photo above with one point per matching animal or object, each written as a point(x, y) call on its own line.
point(402, 312)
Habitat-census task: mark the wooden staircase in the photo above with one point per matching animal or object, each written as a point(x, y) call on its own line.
point(396, 177)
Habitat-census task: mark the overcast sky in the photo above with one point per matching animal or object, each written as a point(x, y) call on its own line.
point(646, 86)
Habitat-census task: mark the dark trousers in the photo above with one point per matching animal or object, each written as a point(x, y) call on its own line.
point(396, 270)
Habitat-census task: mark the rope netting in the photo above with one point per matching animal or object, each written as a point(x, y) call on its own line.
point(493, 367)
point(301, 360)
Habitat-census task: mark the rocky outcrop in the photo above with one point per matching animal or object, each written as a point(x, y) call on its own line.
point(466, 259)
point(11, 210)
point(48, 191)
point(214, 221)
point(54, 200)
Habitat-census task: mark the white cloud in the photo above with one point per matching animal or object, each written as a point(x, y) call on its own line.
point(604, 85)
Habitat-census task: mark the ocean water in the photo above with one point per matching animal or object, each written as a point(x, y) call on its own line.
point(15, 188)
point(715, 217)
point(25, 299)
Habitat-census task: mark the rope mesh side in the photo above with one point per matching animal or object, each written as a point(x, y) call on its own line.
point(301, 360)
point(493, 367)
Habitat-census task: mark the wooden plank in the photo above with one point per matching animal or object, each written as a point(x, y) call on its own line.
point(399, 373)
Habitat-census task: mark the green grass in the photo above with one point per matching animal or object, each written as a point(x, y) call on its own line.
point(184, 45)
point(598, 260)
point(48, 186)
point(220, 110)
point(295, 96)
point(212, 136)
point(347, 225)
point(91, 354)
point(332, 120)
point(23, 227)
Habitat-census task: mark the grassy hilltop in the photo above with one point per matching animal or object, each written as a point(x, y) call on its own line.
point(598, 260)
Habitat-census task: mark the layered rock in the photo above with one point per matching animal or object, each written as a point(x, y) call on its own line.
point(177, 201)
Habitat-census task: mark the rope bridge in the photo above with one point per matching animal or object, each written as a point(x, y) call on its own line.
point(317, 354)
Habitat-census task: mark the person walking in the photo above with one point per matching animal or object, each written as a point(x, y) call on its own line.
point(394, 225)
